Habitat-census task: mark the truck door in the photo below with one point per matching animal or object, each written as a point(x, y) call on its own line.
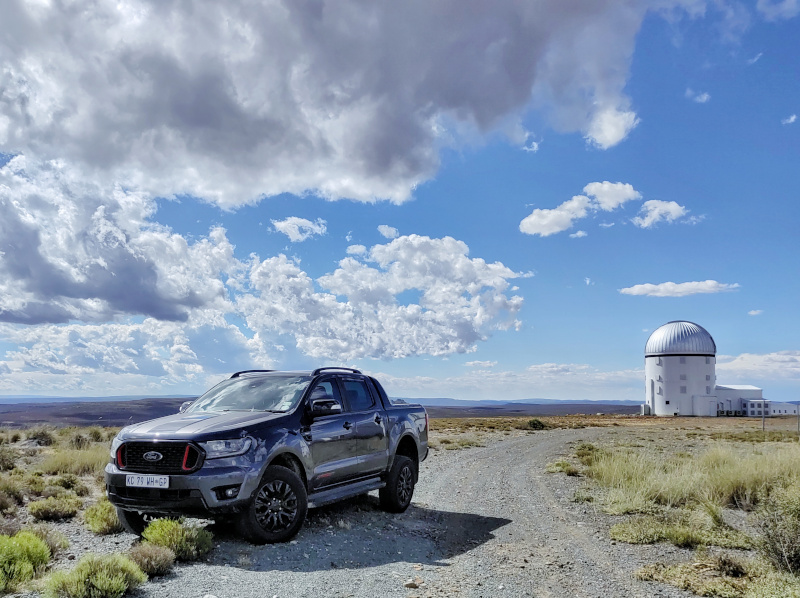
point(370, 422)
point(332, 442)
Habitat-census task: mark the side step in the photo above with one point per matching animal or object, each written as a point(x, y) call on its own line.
point(327, 496)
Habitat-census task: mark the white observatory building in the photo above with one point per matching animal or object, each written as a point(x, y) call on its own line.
point(680, 377)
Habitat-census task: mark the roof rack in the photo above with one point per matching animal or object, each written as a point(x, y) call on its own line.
point(237, 374)
point(320, 370)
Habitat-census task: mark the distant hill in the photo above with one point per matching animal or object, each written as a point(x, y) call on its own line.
point(445, 402)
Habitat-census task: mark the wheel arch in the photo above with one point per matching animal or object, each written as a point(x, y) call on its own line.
point(291, 462)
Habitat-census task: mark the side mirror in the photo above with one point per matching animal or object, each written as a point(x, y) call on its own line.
point(184, 406)
point(327, 406)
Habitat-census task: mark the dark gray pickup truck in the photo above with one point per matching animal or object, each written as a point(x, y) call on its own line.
point(263, 446)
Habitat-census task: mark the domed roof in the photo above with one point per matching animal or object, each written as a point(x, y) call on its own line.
point(680, 338)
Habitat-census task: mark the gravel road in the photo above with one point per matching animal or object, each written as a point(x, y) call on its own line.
point(485, 522)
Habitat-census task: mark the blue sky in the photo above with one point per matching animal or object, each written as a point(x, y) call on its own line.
point(477, 201)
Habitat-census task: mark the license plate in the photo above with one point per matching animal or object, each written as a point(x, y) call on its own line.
point(147, 481)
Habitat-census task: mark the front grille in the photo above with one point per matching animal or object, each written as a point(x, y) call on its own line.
point(176, 457)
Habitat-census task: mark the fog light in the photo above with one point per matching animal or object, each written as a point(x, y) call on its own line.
point(227, 492)
point(231, 492)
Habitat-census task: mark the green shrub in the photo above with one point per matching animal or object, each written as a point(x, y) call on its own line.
point(96, 434)
point(537, 424)
point(102, 518)
point(55, 508)
point(15, 437)
point(7, 503)
point(79, 462)
point(50, 491)
point(79, 441)
point(562, 466)
point(778, 520)
point(12, 488)
point(187, 542)
point(152, 559)
point(21, 557)
point(42, 435)
point(96, 576)
point(55, 540)
point(71, 482)
point(8, 458)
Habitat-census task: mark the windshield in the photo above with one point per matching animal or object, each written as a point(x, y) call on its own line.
point(263, 393)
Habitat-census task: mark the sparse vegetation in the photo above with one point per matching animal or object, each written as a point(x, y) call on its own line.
point(79, 462)
point(55, 540)
point(64, 506)
point(188, 542)
point(96, 576)
point(685, 529)
point(779, 523)
point(562, 466)
point(22, 556)
point(71, 482)
point(102, 518)
point(8, 458)
point(41, 435)
point(152, 559)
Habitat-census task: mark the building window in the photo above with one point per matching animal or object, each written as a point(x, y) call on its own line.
point(682, 360)
point(683, 376)
point(759, 412)
point(666, 402)
point(708, 360)
point(708, 377)
point(683, 390)
point(659, 391)
point(659, 361)
point(758, 405)
point(708, 390)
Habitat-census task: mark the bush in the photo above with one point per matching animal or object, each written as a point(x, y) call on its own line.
point(55, 540)
point(15, 437)
point(21, 557)
point(71, 482)
point(8, 458)
point(188, 543)
point(779, 522)
point(96, 576)
point(7, 503)
point(152, 559)
point(13, 489)
point(537, 424)
point(102, 518)
point(9, 527)
point(79, 441)
point(42, 435)
point(562, 466)
point(55, 508)
point(79, 462)
point(96, 434)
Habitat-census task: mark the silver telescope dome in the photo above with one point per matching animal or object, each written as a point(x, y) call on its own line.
point(680, 338)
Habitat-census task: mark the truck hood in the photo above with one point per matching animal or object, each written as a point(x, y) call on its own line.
point(194, 425)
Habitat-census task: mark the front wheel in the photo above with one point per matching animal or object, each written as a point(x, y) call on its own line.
point(277, 509)
point(396, 495)
point(133, 522)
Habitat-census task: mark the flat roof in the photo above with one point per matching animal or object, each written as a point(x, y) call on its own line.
point(737, 387)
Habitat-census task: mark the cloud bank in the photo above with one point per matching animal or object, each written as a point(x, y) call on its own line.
point(244, 100)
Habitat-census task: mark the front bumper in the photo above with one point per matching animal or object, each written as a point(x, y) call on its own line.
point(195, 494)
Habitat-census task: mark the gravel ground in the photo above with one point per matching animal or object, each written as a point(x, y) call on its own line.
point(485, 522)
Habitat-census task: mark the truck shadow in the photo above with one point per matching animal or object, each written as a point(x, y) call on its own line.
point(356, 533)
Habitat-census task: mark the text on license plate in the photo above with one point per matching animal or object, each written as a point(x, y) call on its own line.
point(147, 481)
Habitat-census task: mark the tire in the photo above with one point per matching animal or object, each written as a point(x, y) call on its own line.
point(396, 495)
point(277, 508)
point(133, 522)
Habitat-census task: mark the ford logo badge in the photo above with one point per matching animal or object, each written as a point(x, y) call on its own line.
point(152, 456)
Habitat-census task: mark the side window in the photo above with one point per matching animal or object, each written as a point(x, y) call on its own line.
point(358, 396)
point(327, 389)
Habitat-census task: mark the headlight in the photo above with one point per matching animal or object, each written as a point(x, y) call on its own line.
point(225, 448)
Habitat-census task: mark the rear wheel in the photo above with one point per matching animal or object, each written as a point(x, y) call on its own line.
point(277, 509)
point(396, 495)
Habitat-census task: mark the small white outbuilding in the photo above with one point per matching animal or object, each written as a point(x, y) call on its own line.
point(680, 378)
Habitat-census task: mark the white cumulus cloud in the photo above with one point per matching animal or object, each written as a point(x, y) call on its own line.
point(776, 10)
point(679, 289)
point(789, 120)
point(300, 229)
point(755, 312)
point(578, 234)
point(388, 232)
point(699, 97)
point(655, 210)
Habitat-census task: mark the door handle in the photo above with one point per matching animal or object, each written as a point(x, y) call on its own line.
point(347, 425)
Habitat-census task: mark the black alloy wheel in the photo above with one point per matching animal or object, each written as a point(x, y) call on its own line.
point(396, 495)
point(277, 508)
